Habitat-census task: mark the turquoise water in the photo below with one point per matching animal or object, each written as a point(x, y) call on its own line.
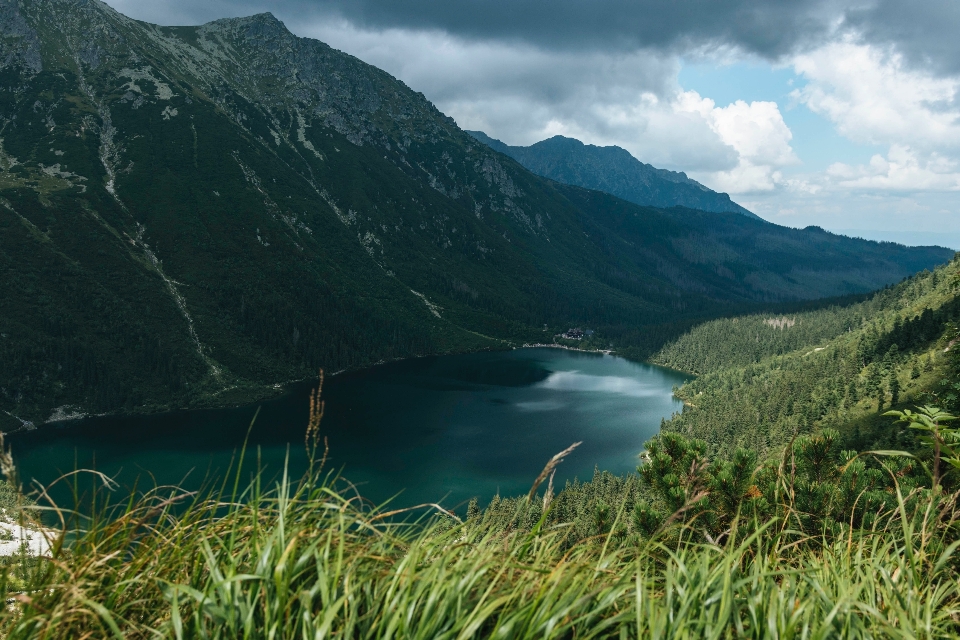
point(439, 428)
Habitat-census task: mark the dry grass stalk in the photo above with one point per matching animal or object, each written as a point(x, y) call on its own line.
point(551, 465)
point(548, 496)
point(316, 415)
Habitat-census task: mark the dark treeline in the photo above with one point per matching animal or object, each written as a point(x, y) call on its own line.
point(739, 341)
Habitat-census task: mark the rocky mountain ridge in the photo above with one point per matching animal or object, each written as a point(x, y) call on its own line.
point(615, 171)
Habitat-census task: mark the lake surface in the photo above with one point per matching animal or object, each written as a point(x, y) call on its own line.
point(438, 428)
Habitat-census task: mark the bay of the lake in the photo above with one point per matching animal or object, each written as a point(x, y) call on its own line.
point(429, 429)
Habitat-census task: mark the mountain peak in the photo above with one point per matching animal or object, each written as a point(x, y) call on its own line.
point(260, 28)
point(265, 20)
point(264, 17)
point(614, 170)
point(563, 140)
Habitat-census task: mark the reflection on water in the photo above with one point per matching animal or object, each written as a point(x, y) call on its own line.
point(576, 381)
point(448, 427)
point(541, 405)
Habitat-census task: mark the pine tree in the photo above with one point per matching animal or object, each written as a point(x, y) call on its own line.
point(853, 393)
point(473, 509)
point(875, 384)
point(894, 384)
point(891, 356)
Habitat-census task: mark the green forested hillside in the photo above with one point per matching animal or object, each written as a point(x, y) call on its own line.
point(765, 379)
point(196, 215)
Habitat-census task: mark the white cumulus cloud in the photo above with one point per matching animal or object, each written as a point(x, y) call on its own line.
point(756, 131)
point(873, 97)
point(902, 169)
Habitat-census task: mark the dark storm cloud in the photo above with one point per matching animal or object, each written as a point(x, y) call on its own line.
point(768, 28)
point(926, 32)
point(190, 12)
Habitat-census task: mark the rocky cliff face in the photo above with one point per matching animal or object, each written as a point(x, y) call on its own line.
point(248, 65)
point(194, 215)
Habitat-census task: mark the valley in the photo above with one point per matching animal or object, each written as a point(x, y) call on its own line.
point(192, 216)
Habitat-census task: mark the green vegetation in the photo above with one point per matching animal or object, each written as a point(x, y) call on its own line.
point(766, 379)
point(805, 536)
point(310, 558)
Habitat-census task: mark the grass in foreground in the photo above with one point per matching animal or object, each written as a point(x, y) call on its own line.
point(310, 559)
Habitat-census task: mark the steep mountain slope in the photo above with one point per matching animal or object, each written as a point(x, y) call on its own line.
point(615, 171)
point(195, 215)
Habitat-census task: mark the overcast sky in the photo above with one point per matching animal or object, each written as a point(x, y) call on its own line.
point(840, 114)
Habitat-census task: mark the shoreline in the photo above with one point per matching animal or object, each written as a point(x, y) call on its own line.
point(268, 391)
point(554, 345)
point(276, 390)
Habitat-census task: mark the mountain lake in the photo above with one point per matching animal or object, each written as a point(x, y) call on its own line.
point(433, 429)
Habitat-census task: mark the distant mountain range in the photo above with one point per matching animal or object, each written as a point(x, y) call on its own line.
point(193, 216)
point(614, 171)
